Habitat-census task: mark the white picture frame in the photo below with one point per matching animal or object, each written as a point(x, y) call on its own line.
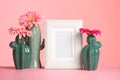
point(63, 44)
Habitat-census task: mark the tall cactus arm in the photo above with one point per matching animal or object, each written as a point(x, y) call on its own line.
point(42, 45)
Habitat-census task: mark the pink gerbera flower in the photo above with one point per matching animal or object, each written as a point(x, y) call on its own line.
point(90, 32)
point(29, 19)
point(96, 32)
point(22, 32)
point(83, 30)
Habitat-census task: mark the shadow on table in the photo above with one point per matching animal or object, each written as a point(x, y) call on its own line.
point(7, 67)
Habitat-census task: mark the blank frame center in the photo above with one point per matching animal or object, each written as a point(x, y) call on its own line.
point(63, 40)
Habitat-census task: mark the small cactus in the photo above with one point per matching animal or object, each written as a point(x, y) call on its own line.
point(21, 53)
point(90, 54)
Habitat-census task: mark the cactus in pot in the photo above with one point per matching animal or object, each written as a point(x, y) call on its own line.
point(90, 53)
point(27, 45)
point(21, 51)
point(35, 45)
point(30, 22)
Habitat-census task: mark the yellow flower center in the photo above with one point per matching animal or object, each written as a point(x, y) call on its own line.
point(31, 19)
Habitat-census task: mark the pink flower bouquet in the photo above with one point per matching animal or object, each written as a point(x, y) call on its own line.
point(27, 21)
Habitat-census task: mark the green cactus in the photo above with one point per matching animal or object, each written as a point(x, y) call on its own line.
point(21, 53)
point(90, 54)
point(35, 45)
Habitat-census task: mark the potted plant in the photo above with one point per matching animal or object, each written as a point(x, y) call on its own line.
point(90, 53)
point(21, 51)
point(29, 22)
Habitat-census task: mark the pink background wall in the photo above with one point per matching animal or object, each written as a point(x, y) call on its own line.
point(96, 14)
